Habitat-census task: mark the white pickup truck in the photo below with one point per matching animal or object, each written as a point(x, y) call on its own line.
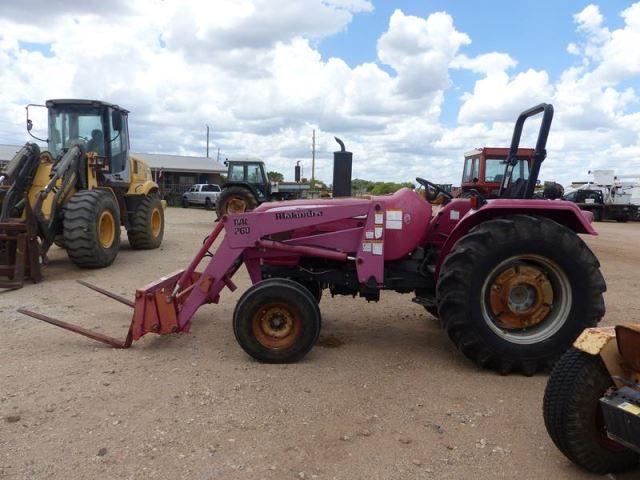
point(201, 194)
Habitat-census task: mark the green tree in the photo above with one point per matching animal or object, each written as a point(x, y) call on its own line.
point(274, 176)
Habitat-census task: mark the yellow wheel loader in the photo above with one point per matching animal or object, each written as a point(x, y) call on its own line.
point(77, 193)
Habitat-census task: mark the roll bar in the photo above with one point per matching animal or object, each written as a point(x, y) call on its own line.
point(540, 152)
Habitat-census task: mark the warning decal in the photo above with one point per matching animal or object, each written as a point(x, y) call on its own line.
point(394, 219)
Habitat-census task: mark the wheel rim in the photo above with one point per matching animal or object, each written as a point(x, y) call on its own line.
point(526, 299)
point(276, 326)
point(156, 222)
point(236, 205)
point(106, 229)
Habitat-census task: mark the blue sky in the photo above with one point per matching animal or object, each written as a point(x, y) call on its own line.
point(260, 72)
point(535, 33)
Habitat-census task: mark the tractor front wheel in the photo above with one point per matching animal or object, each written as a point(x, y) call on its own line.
point(515, 292)
point(277, 321)
point(235, 200)
point(147, 224)
point(91, 228)
point(573, 417)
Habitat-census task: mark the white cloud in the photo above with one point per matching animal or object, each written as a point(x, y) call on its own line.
point(251, 69)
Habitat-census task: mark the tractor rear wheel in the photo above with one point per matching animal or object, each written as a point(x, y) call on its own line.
point(573, 417)
point(147, 224)
point(91, 228)
point(515, 292)
point(277, 321)
point(235, 200)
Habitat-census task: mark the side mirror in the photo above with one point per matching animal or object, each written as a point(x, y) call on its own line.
point(29, 124)
point(116, 121)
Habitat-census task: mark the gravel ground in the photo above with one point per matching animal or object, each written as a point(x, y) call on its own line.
point(383, 396)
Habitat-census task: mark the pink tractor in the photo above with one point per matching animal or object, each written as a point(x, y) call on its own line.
point(509, 278)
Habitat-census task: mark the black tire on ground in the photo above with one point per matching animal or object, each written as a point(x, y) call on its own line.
point(277, 321)
point(315, 288)
point(597, 215)
point(235, 200)
point(622, 219)
point(185, 202)
point(537, 275)
point(147, 224)
point(91, 228)
point(571, 414)
point(207, 204)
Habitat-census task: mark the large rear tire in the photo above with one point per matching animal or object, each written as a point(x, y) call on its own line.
point(573, 418)
point(91, 228)
point(235, 200)
point(515, 292)
point(277, 321)
point(147, 224)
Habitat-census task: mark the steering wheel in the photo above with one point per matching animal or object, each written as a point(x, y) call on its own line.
point(432, 190)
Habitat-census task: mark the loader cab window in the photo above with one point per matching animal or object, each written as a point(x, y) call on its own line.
point(118, 144)
point(254, 173)
point(236, 173)
point(471, 165)
point(494, 169)
point(69, 125)
point(521, 170)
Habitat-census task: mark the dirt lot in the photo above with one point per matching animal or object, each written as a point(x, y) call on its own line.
point(386, 397)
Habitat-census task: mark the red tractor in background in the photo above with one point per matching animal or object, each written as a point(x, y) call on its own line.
point(484, 170)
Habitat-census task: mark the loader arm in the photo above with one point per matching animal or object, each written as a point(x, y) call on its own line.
point(168, 304)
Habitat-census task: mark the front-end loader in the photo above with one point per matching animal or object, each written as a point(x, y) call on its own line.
point(76, 194)
point(509, 278)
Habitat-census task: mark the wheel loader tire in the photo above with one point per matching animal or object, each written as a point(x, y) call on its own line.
point(235, 200)
point(91, 228)
point(515, 292)
point(277, 321)
point(147, 224)
point(573, 418)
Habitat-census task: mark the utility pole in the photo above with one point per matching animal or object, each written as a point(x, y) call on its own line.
point(207, 141)
point(218, 154)
point(313, 159)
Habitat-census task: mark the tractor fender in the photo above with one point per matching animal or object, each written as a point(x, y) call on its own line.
point(142, 188)
point(602, 342)
point(564, 213)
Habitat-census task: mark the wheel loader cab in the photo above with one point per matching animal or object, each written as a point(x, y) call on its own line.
point(99, 127)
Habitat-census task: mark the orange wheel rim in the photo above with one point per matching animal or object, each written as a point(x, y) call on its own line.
point(106, 229)
point(156, 222)
point(521, 296)
point(236, 205)
point(276, 326)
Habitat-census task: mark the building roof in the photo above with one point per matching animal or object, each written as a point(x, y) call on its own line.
point(181, 163)
point(169, 163)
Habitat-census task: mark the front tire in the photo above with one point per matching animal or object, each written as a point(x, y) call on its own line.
point(515, 292)
point(235, 200)
point(91, 228)
point(276, 321)
point(147, 224)
point(573, 418)
point(185, 202)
